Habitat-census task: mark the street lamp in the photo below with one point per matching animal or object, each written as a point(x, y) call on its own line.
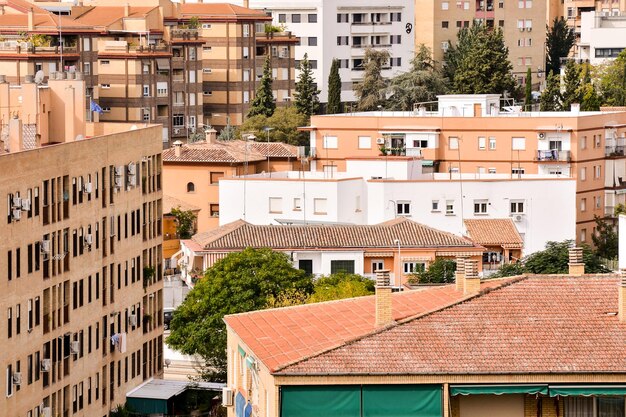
point(267, 149)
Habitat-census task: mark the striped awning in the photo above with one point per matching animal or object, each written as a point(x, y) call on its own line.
point(378, 254)
point(417, 258)
point(449, 253)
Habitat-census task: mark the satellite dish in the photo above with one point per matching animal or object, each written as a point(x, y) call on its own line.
point(39, 76)
point(79, 137)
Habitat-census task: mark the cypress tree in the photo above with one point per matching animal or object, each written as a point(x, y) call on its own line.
point(263, 102)
point(334, 89)
point(307, 100)
point(528, 101)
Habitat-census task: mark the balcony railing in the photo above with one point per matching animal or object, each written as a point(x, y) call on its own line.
point(615, 146)
point(553, 155)
point(306, 152)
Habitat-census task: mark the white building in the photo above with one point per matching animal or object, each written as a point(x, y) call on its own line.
point(373, 190)
point(602, 36)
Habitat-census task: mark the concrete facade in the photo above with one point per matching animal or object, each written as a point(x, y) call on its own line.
point(601, 37)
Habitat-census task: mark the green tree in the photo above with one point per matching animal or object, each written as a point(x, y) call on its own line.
point(185, 220)
point(591, 99)
point(307, 100)
point(438, 272)
point(619, 209)
point(559, 41)
point(479, 63)
point(605, 239)
point(613, 81)
point(285, 122)
point(263, 102)
point(194, 22)
point(339, 286)
point(370, 92)
point(228, 133)
point(334, 89)
point(424, 82)
point(509, 270)
point(550, 99)
point(572, 92)
point(242, 281)
point(528, 96)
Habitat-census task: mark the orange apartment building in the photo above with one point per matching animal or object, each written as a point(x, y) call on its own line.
point(473, 135)
point(81, 283)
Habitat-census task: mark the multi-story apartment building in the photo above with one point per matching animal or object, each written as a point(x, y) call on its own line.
point(522, 22)
point(331, 29)
point(602, 37)
point(573, 11)
point(473, 134)
point(81, 285)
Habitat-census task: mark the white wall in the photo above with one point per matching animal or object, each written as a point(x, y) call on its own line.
point(598, 32)
point(395, 169)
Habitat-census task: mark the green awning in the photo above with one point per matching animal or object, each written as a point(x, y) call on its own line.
point(498, 389)
point(241, 351)
point(147, 405)
point(586, 390)
point(402, 401)
point(427, 163)
point(316, 401)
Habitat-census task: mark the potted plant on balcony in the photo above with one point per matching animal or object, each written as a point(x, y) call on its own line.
point(383, 150)
point(148, 273)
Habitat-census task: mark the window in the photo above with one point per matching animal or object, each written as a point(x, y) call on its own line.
point(378, 265)
point(596, 203)
point(583, 204)
point(435, 205)
point(295, 18)
point(491, 170)
point(306, 265)
point(104, 62)
point(345, 266)
point(482, 143)
point(214, 210)
point(87, 68)
point(214, 177)
point(519, 144)
point(449, 206)
point(312, 40)
point(445, 5)
point(598, 171)
point(191, 187)
point(459, 24)
point(365, 142)
point(178, 120)
point(403, 208)
point(583, 235)
point(206, 26)
point(517, 171)
point(105, 86)
point(330, 142)
point(9, 380)
point(145, 114)
point(396, 62)
point(192, 76)
point(313, 63)
point(480, 206)
point(395, 17)
point(420, 143)
point(517, 207)
point(312, 18)
point(583, 142)
point(342, 40)
point(282, 18)
point(413, 267)
point(395, 39)
point(343, 17)
point(492, 143)
point(297, 204)
point(598, 140)
point(453, 142)
point(444, 24)
point(276, 204)
point(246, 52)
point(319, 206)
point(146, 91)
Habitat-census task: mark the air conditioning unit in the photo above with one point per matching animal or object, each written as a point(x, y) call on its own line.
point(177, 131)
point(380, 141)
point(25, 204)
point(46, 412)
point(87, 187)
point(17, 213)
point(541, 135)
point(530, 29)
point(227, 397)
point(521, 29)
point(45, 246)
point(16, 202)
point(45, 365)
point(88, 239)
point(17, 378)
point(131, 169)
point(118, 181)
point(518, 217)
point(132, 320)
point(75, 347)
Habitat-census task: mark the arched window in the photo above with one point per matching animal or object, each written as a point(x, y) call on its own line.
point(191, 187)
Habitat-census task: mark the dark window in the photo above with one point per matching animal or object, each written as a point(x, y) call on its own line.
point(313, 63)
point(343, 17)
point(306, 265)
point(312, 41)
point(191, 187)
point(395, 17)
point(444, 24)
point(282, 18)
point(342, 266)
point(295, 18)
point(312, 18)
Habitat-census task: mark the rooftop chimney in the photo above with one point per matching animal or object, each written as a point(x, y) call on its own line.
point(384, 314)
point(246, 4)
point(210, 135)
point(31, 19)
point(575, 108)
point(126, 10)
point(622, 296)
point(178, 146)
point(472, 280)
point(16, 142)
point(459, 275)
point(576, 264)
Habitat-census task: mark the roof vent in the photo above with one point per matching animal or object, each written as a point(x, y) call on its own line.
point(576, 263)
point(384, 314)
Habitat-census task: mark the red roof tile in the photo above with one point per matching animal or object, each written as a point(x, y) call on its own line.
point(539, 324)
point(491, 232)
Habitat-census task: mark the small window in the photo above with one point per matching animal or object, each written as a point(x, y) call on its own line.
point(295, 18)
point(403, 208)
point(583, 204)
point(445, 5)
point(345, 266)
point(214, 177)
point(146, 91)
point(491, 170)
point(482, 143)
point(214, 210)
point(365, 142)
point(319, 206)
point(449, 206)
point(104, 62)
point(342, 40)
point(105, 86)
point(519, 144)
point(435, 205)
point(583, 235)
point(276, 205)
point(518, 171)
point(444, 24)
point(492, 143)
point(191, 187)
point(583, 142)
point(342, 17)
point(282, 18)
point(480, 206)
point(297, 204)
point(312, 18)
point(583, 174)
point(413, 267)
point(598, 171)
point(453, 142)
point(312, 41)
point(206, 26)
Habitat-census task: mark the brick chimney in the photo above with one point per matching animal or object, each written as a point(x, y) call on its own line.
point(622, 296)
point(126, 10)
point(31, 19)
point(459, 275)
point(472, 280)
point(576, 264)
point(210, 135)
point(178, 147)
point(384, 314)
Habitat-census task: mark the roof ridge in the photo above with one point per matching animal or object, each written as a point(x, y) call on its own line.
point(403, 321)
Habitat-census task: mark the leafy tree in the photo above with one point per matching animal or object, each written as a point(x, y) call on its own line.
point(508, 270)
point(285, 122)
point(334, 89)
point(479, 63)
point(227, 133)
point(370, 92)
point(307, 100)
point(591, 99)
point(613, 81)
point(185, 220)
point(438, 272)
point(263, 102)
point(605, 239)
point(194, 22)
point(121, 410)
point(572, 83)
point(550, 99)
point(559, 41)
point(528, 96)
point(424, 82)
point(242, 281)
point(619, 209)
point(341, 285)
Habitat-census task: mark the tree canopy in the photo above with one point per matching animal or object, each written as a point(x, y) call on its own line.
point(370, 92)
point(334, 89)
point(263, 102)
point(613, 81)
point(550, 99)
point(185, 220)
point(284, 123)
point(528, 92)
point(572, 81)
point(559, 41)
point(438, 272)
point(605, 239)
point(340, 285)
point(479, 62)
point(424, 82)
point(240, 282)
point(307, 100)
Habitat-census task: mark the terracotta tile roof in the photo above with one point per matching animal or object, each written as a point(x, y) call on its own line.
point(104, 16)
point(230, 151)
point(218, 9)
point(170, 202)
point(282, 336)
point(494, 232)
point(549, 324)
point(17, 17)
point(240, 235)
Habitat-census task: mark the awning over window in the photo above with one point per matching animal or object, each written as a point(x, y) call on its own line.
point(427, 163)
point(402, 401)
point(163, 63)
point(315, 401)
point(147, 405)
point(498, 389)
point(586, 390)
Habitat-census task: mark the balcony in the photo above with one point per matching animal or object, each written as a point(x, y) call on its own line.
point(553, 155)
point(370, 27)
point(306, 152)
point(184, 34)
point(615, 146)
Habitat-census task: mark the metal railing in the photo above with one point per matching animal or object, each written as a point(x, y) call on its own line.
point(553, 155)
